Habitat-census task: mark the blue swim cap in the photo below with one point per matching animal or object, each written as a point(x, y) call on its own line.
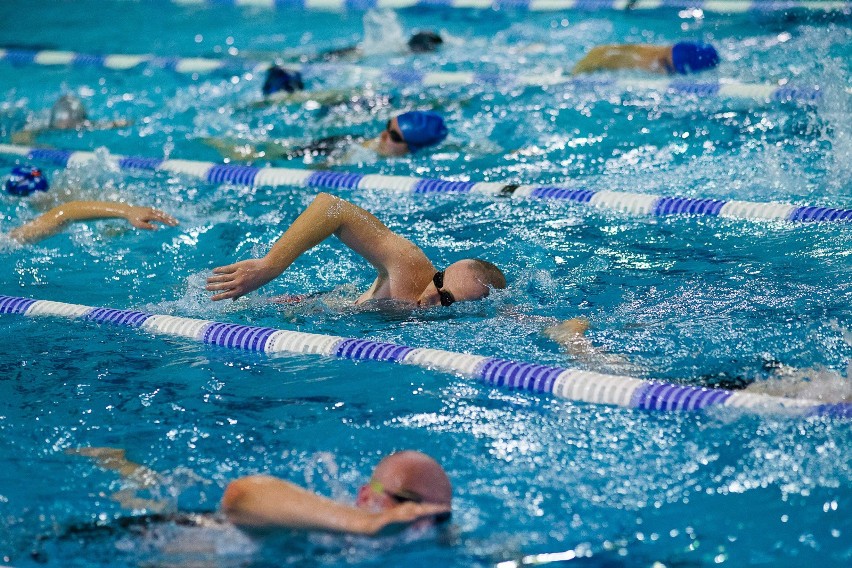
point(421, 128)
point(692, 57)
point(280, 79)
point(24, 180)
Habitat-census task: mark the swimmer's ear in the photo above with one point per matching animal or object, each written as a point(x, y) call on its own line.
point(363, 495)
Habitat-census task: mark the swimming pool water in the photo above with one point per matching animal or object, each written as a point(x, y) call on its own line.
point(691, 300)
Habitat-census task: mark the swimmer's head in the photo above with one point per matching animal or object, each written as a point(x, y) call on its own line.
point(692, 57)
point(280, 79)
point(24, 180)
point(463, 281)
point(424, 42)
point(406, 476)
point(67, 112)
point(417, 129)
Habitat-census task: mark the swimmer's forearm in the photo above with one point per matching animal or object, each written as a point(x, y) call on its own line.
point(54, 220)
point(265, 502)
point(327, 215)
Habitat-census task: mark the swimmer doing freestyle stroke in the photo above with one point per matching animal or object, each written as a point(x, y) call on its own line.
point(404, 271)
point(681, 58)
point(406, 488)
point(67, 113)
point(405, 133)
point(27, 180)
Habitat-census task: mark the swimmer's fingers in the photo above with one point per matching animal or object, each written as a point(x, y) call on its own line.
point(239, 279)
point(144, 218)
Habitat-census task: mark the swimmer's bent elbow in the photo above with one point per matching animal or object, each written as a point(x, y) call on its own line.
point(234, 499)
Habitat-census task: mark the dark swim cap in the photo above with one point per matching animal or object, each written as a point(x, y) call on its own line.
point(280, 79)
point(692, 57)
point(424, 42)
point(421, 128)
point(67, 112)
point(23, 180)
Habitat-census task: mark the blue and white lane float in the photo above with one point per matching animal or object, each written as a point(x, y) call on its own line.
point(121, 62)
point(719, 6)
point(723, 88)
point(624, 202)
point(571, 384)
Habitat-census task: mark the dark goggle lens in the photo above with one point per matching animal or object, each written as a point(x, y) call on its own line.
point(438, 280)
point(394, 135)
point(447, 298)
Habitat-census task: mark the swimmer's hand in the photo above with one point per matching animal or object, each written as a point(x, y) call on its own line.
point(144, 217)
point(238, 279)
point(401, 516)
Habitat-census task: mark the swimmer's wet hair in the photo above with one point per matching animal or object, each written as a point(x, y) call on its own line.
point(491, 275)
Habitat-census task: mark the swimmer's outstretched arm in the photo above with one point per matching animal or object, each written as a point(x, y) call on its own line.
point(239, 151)
point(327, 215)
point(571, 334)
point(262, 501)
point(54, 220)
point(142, 477)
point(657, 58)
point(27, 137)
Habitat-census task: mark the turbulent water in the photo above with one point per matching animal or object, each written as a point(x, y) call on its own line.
point(701, 301)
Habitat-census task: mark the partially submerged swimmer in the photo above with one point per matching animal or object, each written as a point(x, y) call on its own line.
point(423, 41)
point(26, 180)
point(406, 133)
point(406, 488)
point(681, 58)
point(404, 272)
point(67, 113)
point(817, 383)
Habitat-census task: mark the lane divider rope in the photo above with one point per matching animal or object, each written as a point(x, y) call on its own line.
point(624, 202)
point(718, 6)
point(725, 88)
point(566, 383)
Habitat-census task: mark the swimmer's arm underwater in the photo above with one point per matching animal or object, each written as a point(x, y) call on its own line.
point(28, 136)
point(54, 220)
point(327, 215)
point(262, 501)
point(657, 58)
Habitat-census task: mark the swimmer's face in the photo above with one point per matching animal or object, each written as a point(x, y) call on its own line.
point(461, 281)
point(384, 491)
point(391, 142)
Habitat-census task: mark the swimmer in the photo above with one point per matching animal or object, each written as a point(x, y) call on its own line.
point(424, 41)
point(67, 113)
point(406, 133)
point(407, 488)
point(682, 58)
point(26, 180)
point(816, 383)
point(420, 42)
point(404, 272)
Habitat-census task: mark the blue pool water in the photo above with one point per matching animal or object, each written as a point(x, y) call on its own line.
point(690, 300)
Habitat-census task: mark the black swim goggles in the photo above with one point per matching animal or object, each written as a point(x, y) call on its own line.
point(395, 135)
point(447, 298)
point(405, 496)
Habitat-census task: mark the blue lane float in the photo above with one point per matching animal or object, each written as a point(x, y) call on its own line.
point(561, 382)
point(718, 6)
point(623, 202)
point(723, 88)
